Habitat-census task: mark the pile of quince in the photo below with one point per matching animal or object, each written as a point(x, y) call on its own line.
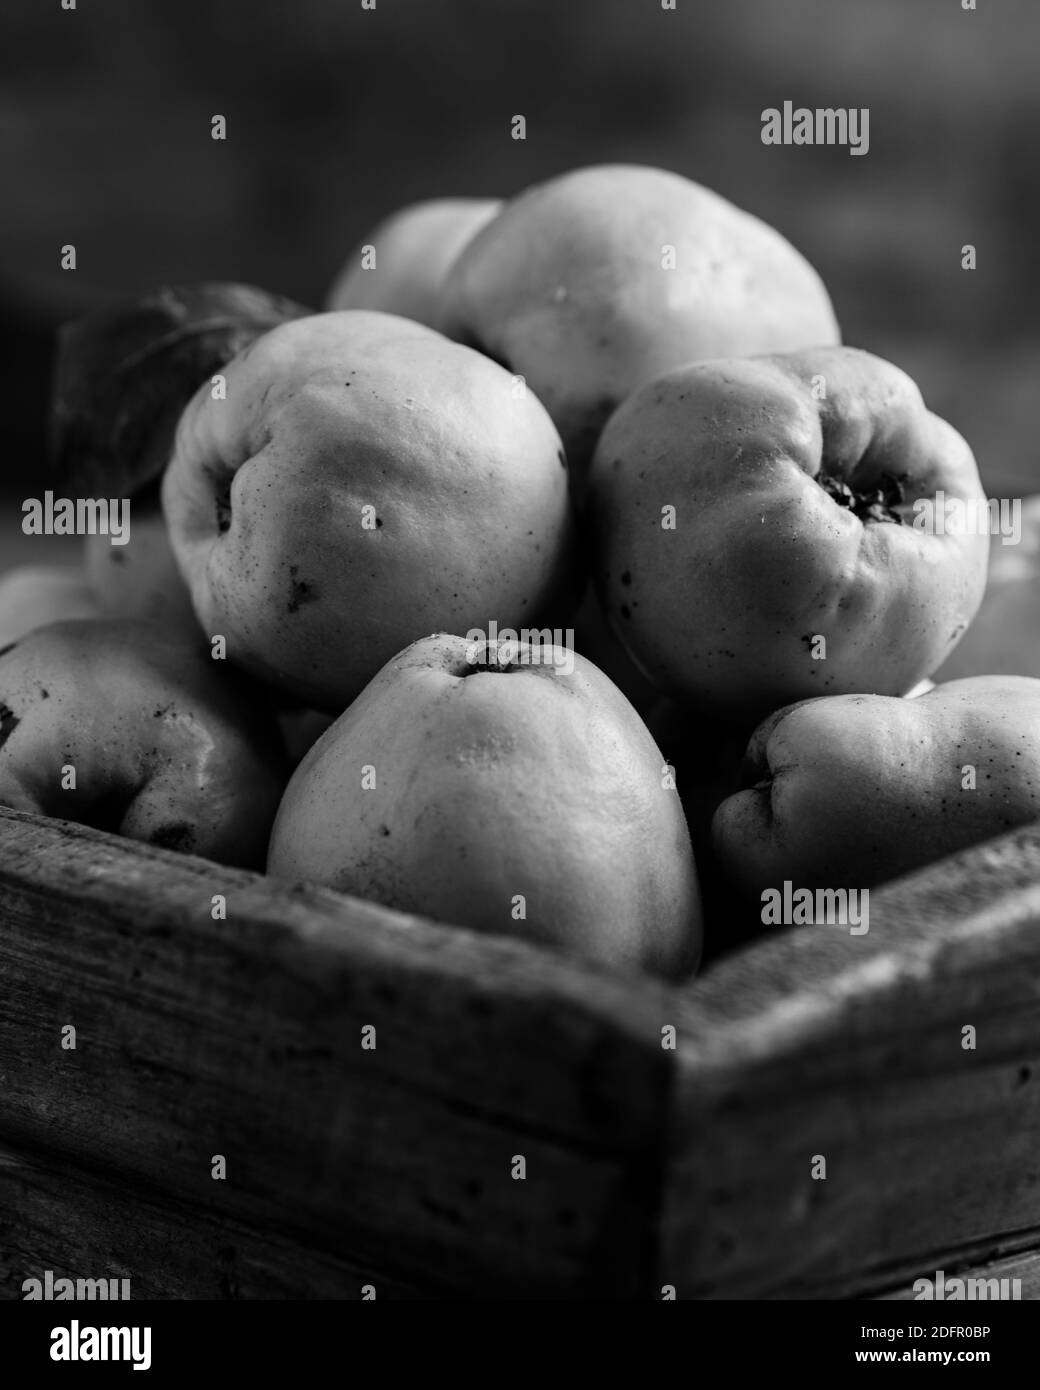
point(567, 561)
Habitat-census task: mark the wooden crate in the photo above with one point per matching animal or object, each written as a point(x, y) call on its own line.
point(647, 1167)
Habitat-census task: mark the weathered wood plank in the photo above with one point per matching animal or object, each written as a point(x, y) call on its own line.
point(243, 1038)
point(815, 1042)
point(198, 1037)
point(57, 1218)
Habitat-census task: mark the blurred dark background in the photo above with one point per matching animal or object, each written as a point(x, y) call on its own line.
point(337, 115)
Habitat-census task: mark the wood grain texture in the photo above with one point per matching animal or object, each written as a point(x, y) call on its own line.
point(646, 1167)
point(815, 1042)
point(82, 1226)
point(243, 1038)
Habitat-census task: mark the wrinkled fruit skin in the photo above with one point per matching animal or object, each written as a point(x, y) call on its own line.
point(34, 595)
point(566, 287)
point(141, 579)
point(415, 249)
point(167, 745)
point(724, 611)
point(1004, 639)
point(855, 790)
point(494, 783)
point(267, 491)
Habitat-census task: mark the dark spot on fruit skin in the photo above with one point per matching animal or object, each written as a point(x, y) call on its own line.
point(302, 592)
point(118, 558)
point(626, 612)
point(179, 837)
point(9, 648)
point(626, 579)
point(44, 694)
point(379, 522)
point(384, 830)
point(9, 721)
